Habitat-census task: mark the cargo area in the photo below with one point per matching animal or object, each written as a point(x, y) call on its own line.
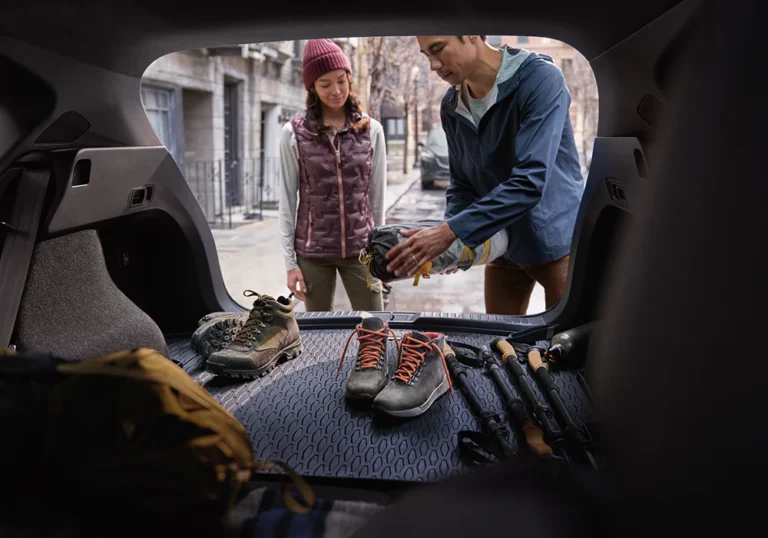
point(298, 413)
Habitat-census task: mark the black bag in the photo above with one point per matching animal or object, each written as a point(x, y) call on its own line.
point(383, 238)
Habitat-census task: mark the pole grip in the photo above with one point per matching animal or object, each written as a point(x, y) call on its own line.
point(535, 360)
point(506, 350)
point(534, 437)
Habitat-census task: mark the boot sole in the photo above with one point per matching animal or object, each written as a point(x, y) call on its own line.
point(420, 410)
point(287, 354)
point(203, 347)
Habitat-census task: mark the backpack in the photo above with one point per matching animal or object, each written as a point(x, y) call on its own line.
point(129, 435)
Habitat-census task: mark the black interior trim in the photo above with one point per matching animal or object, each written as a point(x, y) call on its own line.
point(600, 226)
point(377, 491)
point(127, 37)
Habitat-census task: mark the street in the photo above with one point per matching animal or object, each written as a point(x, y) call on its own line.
point(251, 258)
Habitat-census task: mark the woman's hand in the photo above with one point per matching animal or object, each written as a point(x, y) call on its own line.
point(296, 279)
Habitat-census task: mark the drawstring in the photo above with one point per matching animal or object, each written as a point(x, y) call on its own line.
point(486, 253)
point(365, 258)
point(302, 488)
point(422, 272)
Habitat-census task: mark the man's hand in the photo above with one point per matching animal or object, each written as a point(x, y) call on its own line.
point(421, 246)
point(296, 279)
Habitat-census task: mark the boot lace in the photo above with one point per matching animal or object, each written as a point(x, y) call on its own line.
point(259, 314)
point(413, 352)
point(371, 344)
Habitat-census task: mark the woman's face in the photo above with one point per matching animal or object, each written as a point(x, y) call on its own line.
point(333, 89)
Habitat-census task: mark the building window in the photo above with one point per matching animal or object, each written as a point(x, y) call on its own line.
point(401, 127)
point(394, 128)
point(271, 69)
point(286, 115)
point(567, 65)
point(395, 74)
point(158, 103)
point(522, 39)
point(494, 40)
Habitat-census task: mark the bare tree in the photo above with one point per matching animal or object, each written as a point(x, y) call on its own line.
point(583, 87)
point(389, 60)
point(434, 89)
point(374, 54)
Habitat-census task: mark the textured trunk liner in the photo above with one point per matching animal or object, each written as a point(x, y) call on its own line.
point(298, 414)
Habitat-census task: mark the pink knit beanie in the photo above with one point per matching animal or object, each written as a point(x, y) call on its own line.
point(320, 57)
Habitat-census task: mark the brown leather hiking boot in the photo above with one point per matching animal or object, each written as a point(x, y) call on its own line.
point(216, 330)
point(371, 371)
point(269, 336)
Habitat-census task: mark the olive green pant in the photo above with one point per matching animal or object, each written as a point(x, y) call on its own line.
point(320, 279)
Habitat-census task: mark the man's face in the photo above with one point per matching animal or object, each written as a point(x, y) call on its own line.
point(452, 59)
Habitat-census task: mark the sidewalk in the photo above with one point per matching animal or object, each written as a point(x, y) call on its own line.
point(251, 257)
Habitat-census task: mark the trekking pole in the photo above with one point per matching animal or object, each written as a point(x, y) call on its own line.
point(575, 434)
point(489, 420)
point(516, 412)
point(542, 413)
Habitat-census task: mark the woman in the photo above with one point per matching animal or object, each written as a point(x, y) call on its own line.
point(334, 157)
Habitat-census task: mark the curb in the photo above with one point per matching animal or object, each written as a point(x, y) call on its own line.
point(393, 204)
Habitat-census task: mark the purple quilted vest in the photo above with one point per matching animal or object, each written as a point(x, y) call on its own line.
point(334, 214)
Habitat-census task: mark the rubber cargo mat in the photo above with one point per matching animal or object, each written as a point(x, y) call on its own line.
point(298, 414)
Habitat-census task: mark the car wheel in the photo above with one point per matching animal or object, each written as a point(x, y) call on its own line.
point(426, 185)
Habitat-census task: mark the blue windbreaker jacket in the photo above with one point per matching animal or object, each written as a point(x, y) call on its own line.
point(519, 168)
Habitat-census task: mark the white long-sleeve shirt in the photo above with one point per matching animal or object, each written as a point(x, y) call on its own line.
point(289, 184)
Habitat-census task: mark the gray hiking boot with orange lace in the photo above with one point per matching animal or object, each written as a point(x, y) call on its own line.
point(269, 335)
point(371, 371)
point(420, 379)
point(216, 330)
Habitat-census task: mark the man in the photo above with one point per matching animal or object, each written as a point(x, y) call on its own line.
point(513, 165)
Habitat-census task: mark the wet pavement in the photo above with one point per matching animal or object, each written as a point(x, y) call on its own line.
point(250, 258)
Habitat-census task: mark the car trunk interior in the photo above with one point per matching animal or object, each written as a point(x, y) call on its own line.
point(124, 257)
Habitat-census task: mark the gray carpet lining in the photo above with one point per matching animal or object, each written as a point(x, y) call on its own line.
point(72, 308)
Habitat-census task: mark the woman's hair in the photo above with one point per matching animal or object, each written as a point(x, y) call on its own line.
point(352, 107)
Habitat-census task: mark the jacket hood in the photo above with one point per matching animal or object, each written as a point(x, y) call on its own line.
point(514, 66)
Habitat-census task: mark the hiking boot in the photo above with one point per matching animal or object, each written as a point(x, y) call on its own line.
point(420, 379)
point(269, 335)
point(371, 370)
point(216, 330)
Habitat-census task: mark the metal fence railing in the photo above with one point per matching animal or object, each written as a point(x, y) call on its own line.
point(234, 191)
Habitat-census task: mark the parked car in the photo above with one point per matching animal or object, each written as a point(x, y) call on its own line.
point(434, 158)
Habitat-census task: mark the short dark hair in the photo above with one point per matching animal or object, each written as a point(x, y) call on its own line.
point(461, 37)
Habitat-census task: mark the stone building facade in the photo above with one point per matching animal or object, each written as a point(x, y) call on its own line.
point(219, 111)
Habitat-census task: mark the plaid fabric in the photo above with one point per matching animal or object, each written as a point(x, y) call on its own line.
point(262, 514)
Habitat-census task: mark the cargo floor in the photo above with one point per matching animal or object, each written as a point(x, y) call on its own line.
point(298, 414)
